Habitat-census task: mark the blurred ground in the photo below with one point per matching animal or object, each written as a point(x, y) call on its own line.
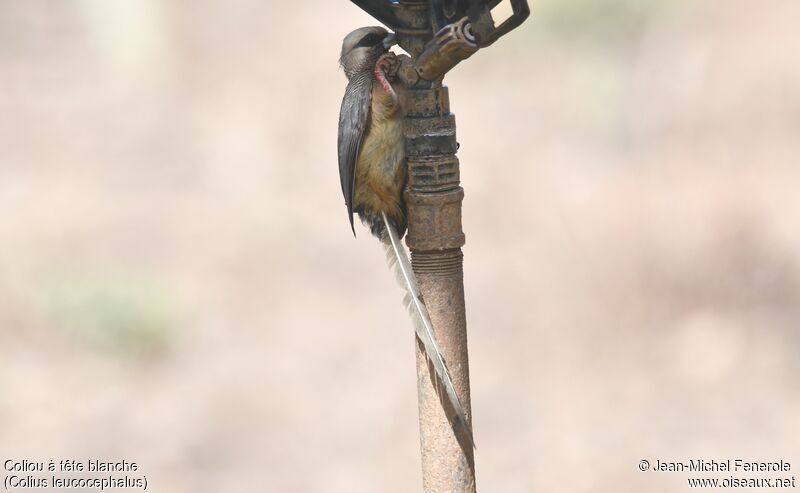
point(178, 285)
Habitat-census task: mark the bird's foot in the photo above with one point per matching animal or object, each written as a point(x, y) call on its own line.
point(389, 63)
point(386, 67)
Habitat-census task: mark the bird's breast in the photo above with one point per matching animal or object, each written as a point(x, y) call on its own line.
point(380, 168)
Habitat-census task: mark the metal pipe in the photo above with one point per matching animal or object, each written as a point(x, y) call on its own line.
point(438, 34)
point(435, 238)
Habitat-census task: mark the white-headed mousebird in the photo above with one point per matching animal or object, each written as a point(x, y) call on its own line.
point(372, 170)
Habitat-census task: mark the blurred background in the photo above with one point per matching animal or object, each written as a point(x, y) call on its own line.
point(179, 286)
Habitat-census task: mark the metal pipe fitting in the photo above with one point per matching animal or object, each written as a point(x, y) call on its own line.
point(453, 43)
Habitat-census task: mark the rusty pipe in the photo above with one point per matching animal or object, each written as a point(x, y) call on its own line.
point(424, 28)
point(435, 237)
point(452, 44)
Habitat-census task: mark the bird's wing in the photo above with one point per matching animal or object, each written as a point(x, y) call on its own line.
point(352, 125)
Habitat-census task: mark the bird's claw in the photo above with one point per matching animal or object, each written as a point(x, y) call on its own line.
point(389, 64)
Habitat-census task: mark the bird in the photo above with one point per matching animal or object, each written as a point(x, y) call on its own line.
point(373, 174)
point(371, 150)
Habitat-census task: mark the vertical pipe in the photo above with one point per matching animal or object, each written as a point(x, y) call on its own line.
point(435, 238)
point(433, 198)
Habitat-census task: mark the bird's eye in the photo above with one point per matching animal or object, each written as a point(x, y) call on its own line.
point(371, 39)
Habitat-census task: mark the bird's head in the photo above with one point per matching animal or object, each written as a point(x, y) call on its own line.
point(362, 48)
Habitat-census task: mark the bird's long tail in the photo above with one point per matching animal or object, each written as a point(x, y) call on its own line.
point(398, 260)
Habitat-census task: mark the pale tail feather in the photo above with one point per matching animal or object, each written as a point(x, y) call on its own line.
point(396, 257)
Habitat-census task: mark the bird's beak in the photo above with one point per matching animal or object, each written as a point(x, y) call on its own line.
point(389, 41)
